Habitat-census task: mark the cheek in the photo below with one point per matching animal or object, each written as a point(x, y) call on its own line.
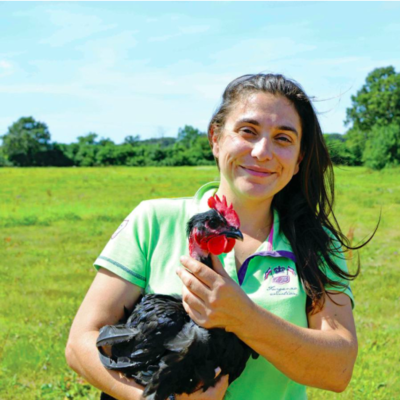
point(288, 157)
point(233, 147)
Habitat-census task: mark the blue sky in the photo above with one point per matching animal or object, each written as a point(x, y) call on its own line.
point(144, 68)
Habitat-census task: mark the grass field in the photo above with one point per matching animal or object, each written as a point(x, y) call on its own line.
point(54, 222)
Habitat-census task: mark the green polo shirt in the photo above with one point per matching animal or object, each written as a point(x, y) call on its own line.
point(146, 248)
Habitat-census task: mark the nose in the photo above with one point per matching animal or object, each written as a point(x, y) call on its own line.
point(262, 149)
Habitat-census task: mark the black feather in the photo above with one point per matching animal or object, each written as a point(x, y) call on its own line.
point(161, 348)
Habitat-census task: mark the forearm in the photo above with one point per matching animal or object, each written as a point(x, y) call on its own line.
point(82, 356)
point(322, 359)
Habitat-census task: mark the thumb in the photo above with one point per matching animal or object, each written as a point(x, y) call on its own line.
point(218, 267)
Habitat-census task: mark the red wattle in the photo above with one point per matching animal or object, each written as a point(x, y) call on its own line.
point(229, 246)
point(217, 245)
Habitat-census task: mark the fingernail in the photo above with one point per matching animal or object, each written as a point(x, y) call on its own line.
point(183, 259)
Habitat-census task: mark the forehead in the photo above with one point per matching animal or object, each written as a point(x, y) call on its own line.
point(266, 108)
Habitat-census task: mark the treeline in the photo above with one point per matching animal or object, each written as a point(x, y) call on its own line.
point(373, 138)
point(28, 144)
point(376, 148)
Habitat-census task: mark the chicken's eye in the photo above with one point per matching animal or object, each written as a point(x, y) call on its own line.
point(213, 224)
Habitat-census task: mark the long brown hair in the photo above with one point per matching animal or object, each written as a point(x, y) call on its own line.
point(305, 205)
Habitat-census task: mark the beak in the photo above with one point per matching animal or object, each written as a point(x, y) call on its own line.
point(233, 233)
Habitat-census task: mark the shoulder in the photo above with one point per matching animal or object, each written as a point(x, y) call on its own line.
point(334, 244)
point(339, 274)
point(158, 216)
point(180, 207)
point(161, 209)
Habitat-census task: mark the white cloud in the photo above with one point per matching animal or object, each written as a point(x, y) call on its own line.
point(73, 26)
point(126, 90)
point(163, 38)
point(108, 51)
point(6, 68)
point(183, 30)
point(300, 29)
point(5, 65)
point(245, 52)
point(194, 29)
point(392, 28)
point(57, 89)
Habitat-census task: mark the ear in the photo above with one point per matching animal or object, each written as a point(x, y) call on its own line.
point(299, 160)
point(214, 141)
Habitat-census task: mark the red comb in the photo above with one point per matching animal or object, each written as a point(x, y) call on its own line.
point(227, 212)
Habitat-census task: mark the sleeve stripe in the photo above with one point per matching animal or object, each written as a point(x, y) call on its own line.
point(117, 264)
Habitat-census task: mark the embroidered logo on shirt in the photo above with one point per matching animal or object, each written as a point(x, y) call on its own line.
point(281, 276)
point(120, 228)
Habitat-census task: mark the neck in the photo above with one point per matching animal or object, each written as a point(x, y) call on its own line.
point(198, 254)
point(207, 261)
point(255, 215)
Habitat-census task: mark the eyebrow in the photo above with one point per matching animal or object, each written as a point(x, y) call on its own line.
point(281, 127)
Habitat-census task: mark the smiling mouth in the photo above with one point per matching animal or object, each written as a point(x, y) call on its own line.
point(257, 171)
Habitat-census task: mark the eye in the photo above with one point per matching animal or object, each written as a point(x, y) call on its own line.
point(248, 131)
point(213, 224)
point(284, 139)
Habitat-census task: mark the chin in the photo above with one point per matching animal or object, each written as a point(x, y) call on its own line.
point(253, 190)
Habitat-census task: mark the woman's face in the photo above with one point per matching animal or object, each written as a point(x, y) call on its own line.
point(258, 149)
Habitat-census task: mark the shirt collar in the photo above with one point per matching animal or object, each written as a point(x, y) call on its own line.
point(204, 193)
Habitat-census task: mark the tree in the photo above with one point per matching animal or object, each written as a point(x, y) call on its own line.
point(377, 102)
point(105, 142)
point(88, 139)
point(88, 147)
point(355, 145)
point(188, 135)
point(86, 155)
point(338, 150)
point(383, 147)
point(26, 141)
point(132, 140)
point(3, 159)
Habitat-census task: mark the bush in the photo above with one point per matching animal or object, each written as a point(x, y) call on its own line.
point(383, 147)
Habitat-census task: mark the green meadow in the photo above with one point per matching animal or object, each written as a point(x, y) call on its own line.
point(54, 222)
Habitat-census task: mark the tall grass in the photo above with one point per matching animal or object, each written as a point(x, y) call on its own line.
point(54, 222)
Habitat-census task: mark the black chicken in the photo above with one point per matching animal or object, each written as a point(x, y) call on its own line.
point(159, 346)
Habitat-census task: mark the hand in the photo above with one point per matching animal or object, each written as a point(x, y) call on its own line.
point(211, 297)
point(216, 392)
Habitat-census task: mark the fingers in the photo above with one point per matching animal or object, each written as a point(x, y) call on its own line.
point(195, 315)
point(218, 391)
point(218, 267)
point(198, 269)
point(192, 301)
point(194, 285)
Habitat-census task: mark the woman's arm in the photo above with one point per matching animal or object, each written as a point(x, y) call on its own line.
point(322, 356)
point(103, 305)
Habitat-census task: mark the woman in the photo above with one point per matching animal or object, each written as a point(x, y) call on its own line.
point(284, 290)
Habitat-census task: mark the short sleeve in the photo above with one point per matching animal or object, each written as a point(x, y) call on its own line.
point(126, 252)
point(340, 260)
